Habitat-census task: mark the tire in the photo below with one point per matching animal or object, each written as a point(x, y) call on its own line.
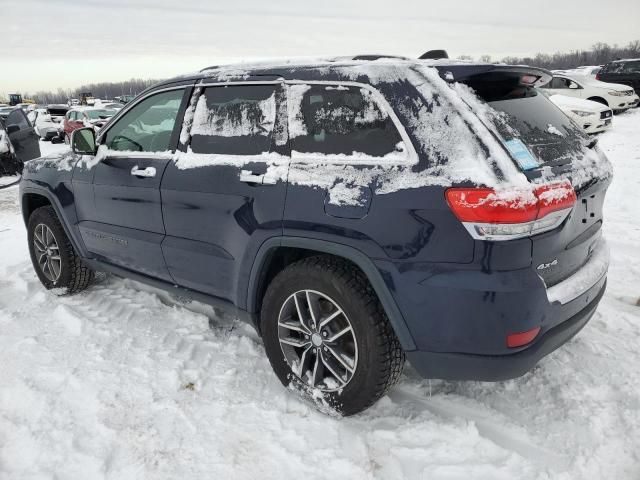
point(379, 358)
point(72, 275)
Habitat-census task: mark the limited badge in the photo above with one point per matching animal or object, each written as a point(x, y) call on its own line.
point(521, 154)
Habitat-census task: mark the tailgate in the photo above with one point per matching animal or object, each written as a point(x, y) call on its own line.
point(547, 146)
point(558, 254)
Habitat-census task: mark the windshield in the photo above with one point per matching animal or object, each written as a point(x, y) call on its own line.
point(98, 114)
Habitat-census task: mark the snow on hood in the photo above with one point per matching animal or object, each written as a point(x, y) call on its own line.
point(564, 101)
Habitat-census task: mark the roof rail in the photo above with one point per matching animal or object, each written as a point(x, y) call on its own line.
point(377, 57)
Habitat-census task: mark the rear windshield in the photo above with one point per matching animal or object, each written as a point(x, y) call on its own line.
point(526, 118)
point(57, 111)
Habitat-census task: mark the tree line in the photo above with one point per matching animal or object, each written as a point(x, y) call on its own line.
point(104, 90)
point(599, 54)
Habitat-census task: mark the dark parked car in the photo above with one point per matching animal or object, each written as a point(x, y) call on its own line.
point(626, 72)
point(18, 142)
point(355, 211)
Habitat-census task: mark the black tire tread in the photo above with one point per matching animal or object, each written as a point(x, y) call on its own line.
point(391, 363)
point(80, 276)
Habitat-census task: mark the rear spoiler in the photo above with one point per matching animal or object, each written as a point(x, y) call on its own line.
point(463, 72)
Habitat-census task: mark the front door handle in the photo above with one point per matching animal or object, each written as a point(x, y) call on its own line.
point(144, 172)
point(247, 176)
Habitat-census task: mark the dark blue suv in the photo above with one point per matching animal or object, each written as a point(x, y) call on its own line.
point(356, 211)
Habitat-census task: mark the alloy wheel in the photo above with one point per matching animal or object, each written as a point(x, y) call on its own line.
point(47, 252)
point(317, 340)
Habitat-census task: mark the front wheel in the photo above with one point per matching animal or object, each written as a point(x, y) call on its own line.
point(54, 259)
point(326, 334)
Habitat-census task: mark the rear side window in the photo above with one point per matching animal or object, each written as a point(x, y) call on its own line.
point(632, 67)
point(340, 120)
point(234, 120)
point(622, 67)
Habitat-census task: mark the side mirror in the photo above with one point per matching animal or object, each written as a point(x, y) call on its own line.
point(83, 141)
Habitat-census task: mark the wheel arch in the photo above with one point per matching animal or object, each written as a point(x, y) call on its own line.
point(598, 99)
point(30, 200)
point(263, 269)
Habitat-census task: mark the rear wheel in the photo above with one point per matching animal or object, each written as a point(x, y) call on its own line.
point(326, 334)
point(54, 259)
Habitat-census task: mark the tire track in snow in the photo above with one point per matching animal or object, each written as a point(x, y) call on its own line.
point(487, 423)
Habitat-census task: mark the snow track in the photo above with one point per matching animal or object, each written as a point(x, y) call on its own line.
point(124, 382)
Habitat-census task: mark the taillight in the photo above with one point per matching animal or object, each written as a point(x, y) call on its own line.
point(490, 214)
point(598, 76)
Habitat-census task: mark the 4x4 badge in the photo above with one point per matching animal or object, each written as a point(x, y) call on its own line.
point(544, 266)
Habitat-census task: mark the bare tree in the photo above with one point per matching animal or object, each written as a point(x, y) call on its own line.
point(599, 54)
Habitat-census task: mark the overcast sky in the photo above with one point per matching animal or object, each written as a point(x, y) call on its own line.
point(64, 43)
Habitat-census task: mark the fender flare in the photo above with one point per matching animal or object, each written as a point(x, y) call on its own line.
point(55, 204)
point(340, 250)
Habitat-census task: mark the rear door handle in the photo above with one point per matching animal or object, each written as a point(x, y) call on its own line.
point(144, 172)
point(247, 176)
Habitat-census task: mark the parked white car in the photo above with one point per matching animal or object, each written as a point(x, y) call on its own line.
point(588, 70)
point(594, 117)
point(49, 122)
point(617, 97)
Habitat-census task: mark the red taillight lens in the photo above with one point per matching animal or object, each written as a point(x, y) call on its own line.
point(484, 205)
point(519, 339)
point(554, 197)
point(598, 76)
point(506, 214)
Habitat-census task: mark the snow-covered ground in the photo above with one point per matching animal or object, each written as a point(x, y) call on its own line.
point(123, 382)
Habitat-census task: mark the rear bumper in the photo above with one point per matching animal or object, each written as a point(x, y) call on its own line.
point(491, 368)
point(460, 317)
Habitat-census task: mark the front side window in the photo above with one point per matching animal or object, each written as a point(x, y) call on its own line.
point(234, 120)
point(340, 120)
point(148, 126)
point(559, 82)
